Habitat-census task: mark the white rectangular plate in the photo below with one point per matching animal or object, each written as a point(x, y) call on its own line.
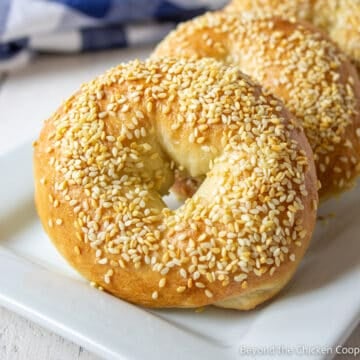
point(316, 311)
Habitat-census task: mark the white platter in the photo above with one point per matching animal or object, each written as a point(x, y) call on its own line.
point(315, 313)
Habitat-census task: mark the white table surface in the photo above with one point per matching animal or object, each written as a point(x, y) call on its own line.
point(27, 97)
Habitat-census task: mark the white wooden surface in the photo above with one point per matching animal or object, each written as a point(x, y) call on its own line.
point(20, 119)
point(21, 339)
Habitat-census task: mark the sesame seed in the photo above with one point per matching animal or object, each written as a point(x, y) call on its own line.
point(183, 273)
point(77, 250)
point(103, 261)
point(181, 289)
point(240, 278)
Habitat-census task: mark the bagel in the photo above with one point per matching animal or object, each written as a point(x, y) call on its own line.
point(106, 157)
point(298, 64)
point(340, 19)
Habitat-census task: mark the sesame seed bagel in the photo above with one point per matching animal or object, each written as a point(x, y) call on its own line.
point(298, 64)
point(104, 160)
point(340, 19)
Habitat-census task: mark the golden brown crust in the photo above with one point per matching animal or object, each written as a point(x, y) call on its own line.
point(298, 64)
point(104, 159)
point(340, 19)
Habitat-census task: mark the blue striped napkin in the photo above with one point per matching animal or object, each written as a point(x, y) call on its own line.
point(28, 27)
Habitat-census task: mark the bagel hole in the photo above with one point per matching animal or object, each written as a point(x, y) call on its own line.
point(183, 188)
point(172, 202)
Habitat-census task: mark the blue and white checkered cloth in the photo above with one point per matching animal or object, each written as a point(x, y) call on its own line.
point(28, 27)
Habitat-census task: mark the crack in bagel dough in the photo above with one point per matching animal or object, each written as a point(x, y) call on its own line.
point(298, 64)
point(340, 19)
point(104, 160)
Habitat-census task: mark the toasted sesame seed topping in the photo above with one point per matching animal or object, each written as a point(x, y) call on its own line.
point(111, 172)
point(340, 19)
